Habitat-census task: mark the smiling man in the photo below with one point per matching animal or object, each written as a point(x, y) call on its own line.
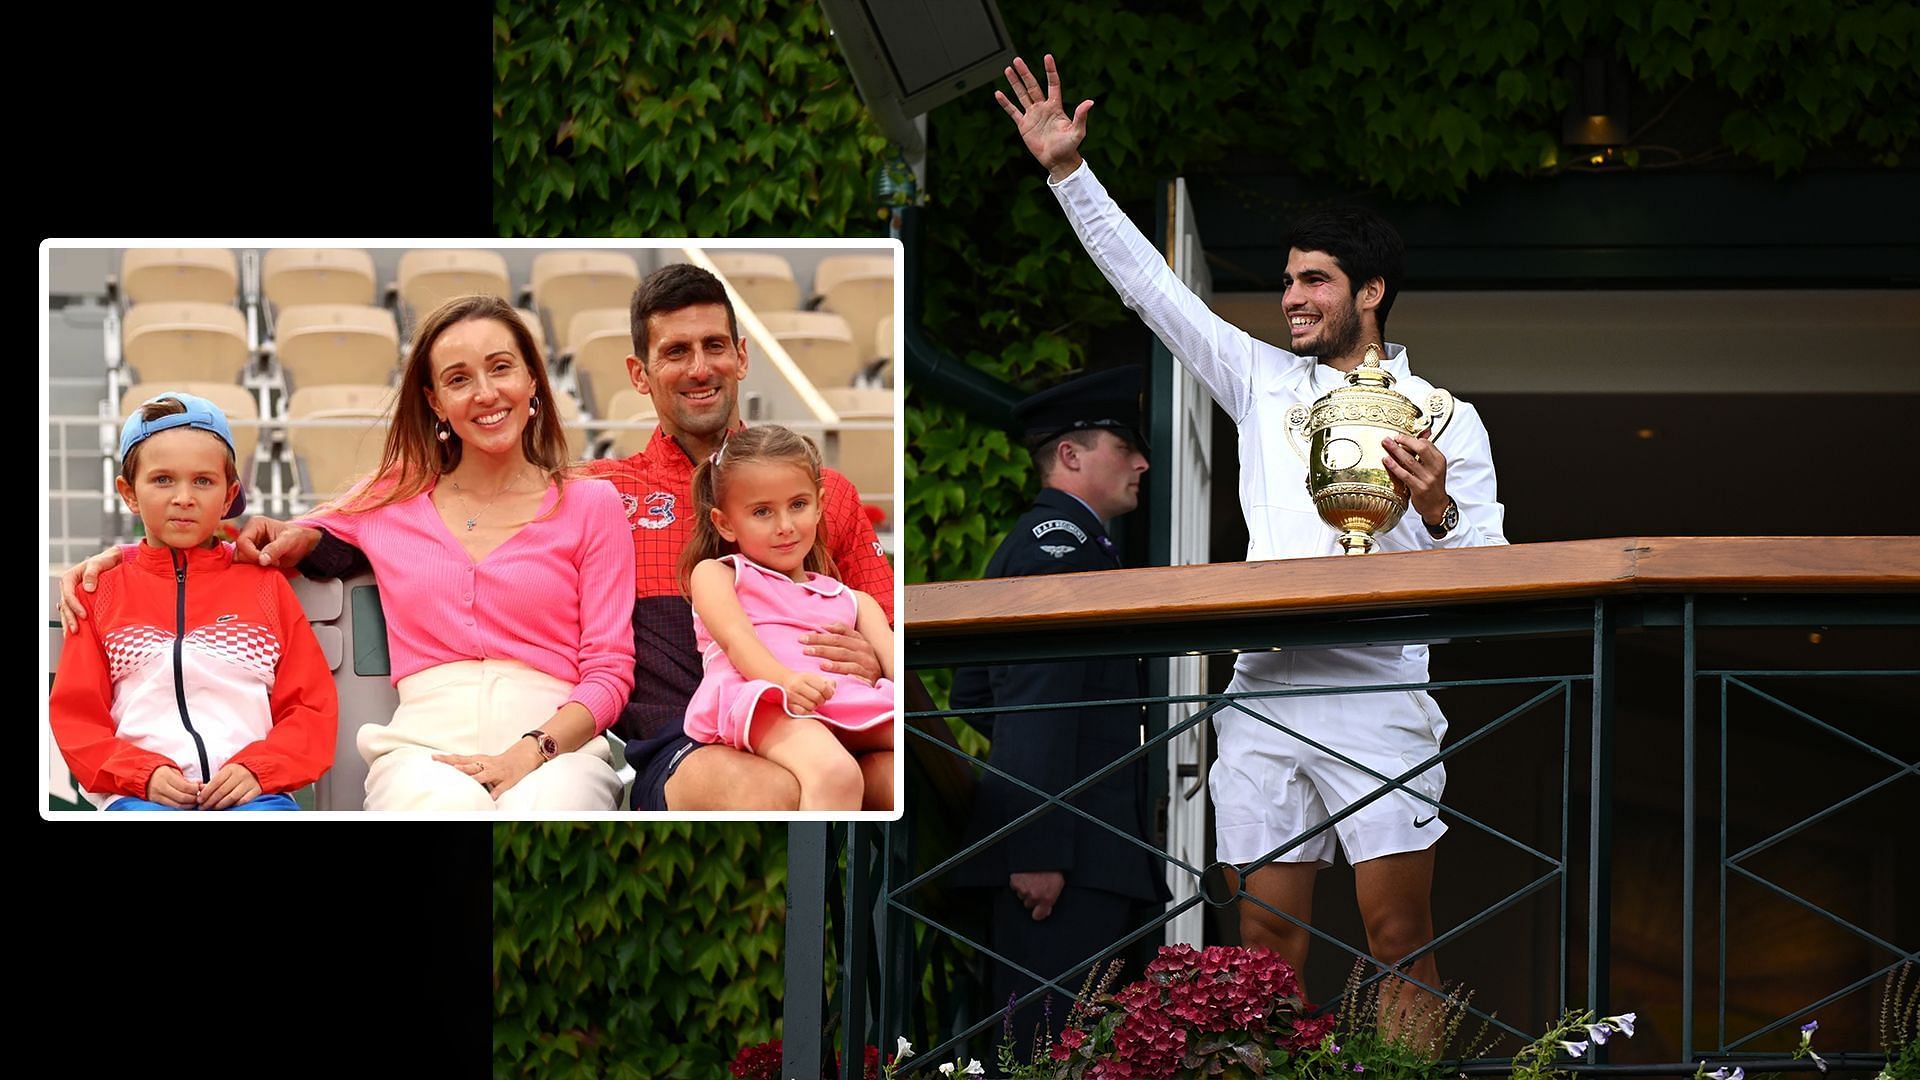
point(1269, 785)
point(689, 357)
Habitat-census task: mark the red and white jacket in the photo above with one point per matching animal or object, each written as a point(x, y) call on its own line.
point(190, 660)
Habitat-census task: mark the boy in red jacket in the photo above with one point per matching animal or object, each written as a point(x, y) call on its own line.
point(199, 684)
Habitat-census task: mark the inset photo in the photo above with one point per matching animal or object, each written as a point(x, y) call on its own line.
point(544, 529)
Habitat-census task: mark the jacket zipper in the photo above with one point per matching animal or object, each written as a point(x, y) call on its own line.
point(179, 672)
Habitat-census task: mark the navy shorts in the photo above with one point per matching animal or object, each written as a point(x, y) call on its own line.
point(651, 776)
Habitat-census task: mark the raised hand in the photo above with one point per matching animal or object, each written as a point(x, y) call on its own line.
point(1052, 137)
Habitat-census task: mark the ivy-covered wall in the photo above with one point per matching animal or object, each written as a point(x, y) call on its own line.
point(653, 950)
point(641, 951)
point(665, 118)
point(1405, 99)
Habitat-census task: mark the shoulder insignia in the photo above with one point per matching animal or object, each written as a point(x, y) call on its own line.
point(1058, 550)
point(1059, 525)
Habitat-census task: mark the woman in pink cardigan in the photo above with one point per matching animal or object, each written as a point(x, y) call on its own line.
point(507, 586)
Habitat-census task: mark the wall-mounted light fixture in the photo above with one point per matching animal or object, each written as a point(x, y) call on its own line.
point(1595, 123)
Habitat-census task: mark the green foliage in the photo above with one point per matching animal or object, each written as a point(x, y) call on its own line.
point(653, 950)
point(660, 118)
point(635, 950)
point(1410, 99)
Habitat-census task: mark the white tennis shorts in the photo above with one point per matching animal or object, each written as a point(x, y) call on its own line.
point(1268, 786)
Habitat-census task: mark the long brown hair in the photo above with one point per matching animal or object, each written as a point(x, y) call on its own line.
point(762, 444)
point(414, 457)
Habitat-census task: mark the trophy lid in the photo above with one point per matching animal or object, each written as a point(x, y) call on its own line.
point(1370, 373)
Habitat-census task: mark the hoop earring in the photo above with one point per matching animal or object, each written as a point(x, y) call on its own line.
point(533, 405)
point(440, 429)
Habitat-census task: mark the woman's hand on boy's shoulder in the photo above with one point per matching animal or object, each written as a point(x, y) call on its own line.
point(85, 575)
point(266, 541)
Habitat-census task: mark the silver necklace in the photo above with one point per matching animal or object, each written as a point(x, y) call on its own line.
point(475, 519)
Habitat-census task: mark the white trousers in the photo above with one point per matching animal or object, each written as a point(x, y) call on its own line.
point(479, 707)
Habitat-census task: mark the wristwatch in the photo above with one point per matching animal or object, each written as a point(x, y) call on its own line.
point(549, 749)
point(1447, 521)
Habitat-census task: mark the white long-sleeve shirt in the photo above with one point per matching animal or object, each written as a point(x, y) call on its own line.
point(1256, 383)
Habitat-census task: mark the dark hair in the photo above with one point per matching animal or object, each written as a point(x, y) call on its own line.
point(154, 410)
point(1046, 453)
point(670, 288)
point(762, 443)
point(414, 456)
point(1362, 242)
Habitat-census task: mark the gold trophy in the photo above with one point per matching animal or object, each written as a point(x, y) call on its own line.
point(1346, 465)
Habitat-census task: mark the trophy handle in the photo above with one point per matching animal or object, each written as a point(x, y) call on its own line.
point(1440, 410)
point(1296, 431)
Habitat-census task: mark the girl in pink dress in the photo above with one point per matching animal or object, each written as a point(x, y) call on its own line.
point(759, 576)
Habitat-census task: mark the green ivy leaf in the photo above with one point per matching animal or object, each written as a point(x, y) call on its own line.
point(1675, 15)
point(1511, 87)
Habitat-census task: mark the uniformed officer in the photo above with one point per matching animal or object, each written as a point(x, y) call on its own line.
point(1065, 888)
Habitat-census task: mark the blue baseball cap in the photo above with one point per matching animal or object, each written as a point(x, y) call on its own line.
point(202, 414)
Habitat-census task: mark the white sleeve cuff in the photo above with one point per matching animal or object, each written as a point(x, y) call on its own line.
point(1078, 171)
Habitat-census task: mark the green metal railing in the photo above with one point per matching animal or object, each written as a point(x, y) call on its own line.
point(876, 916)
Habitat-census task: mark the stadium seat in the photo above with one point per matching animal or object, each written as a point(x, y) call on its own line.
point(531, 320)
point(866, 457)
point(185, 341)
point(600, 340)
point(352, 630)
point(630, 404)
point(430, 277)
point(567, 282)
point(335, 457)
point(292, 277)
point(860, 289)
point(202, 275)
point(320, 344)
point(762, 278)
point(819, 341)
point(571, 423)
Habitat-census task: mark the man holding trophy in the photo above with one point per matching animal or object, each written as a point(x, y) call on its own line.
point(1269, 786)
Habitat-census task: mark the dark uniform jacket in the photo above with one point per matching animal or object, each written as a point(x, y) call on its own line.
point(1054, 749)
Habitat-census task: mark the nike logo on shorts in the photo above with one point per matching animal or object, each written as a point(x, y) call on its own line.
point(1419, 824)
